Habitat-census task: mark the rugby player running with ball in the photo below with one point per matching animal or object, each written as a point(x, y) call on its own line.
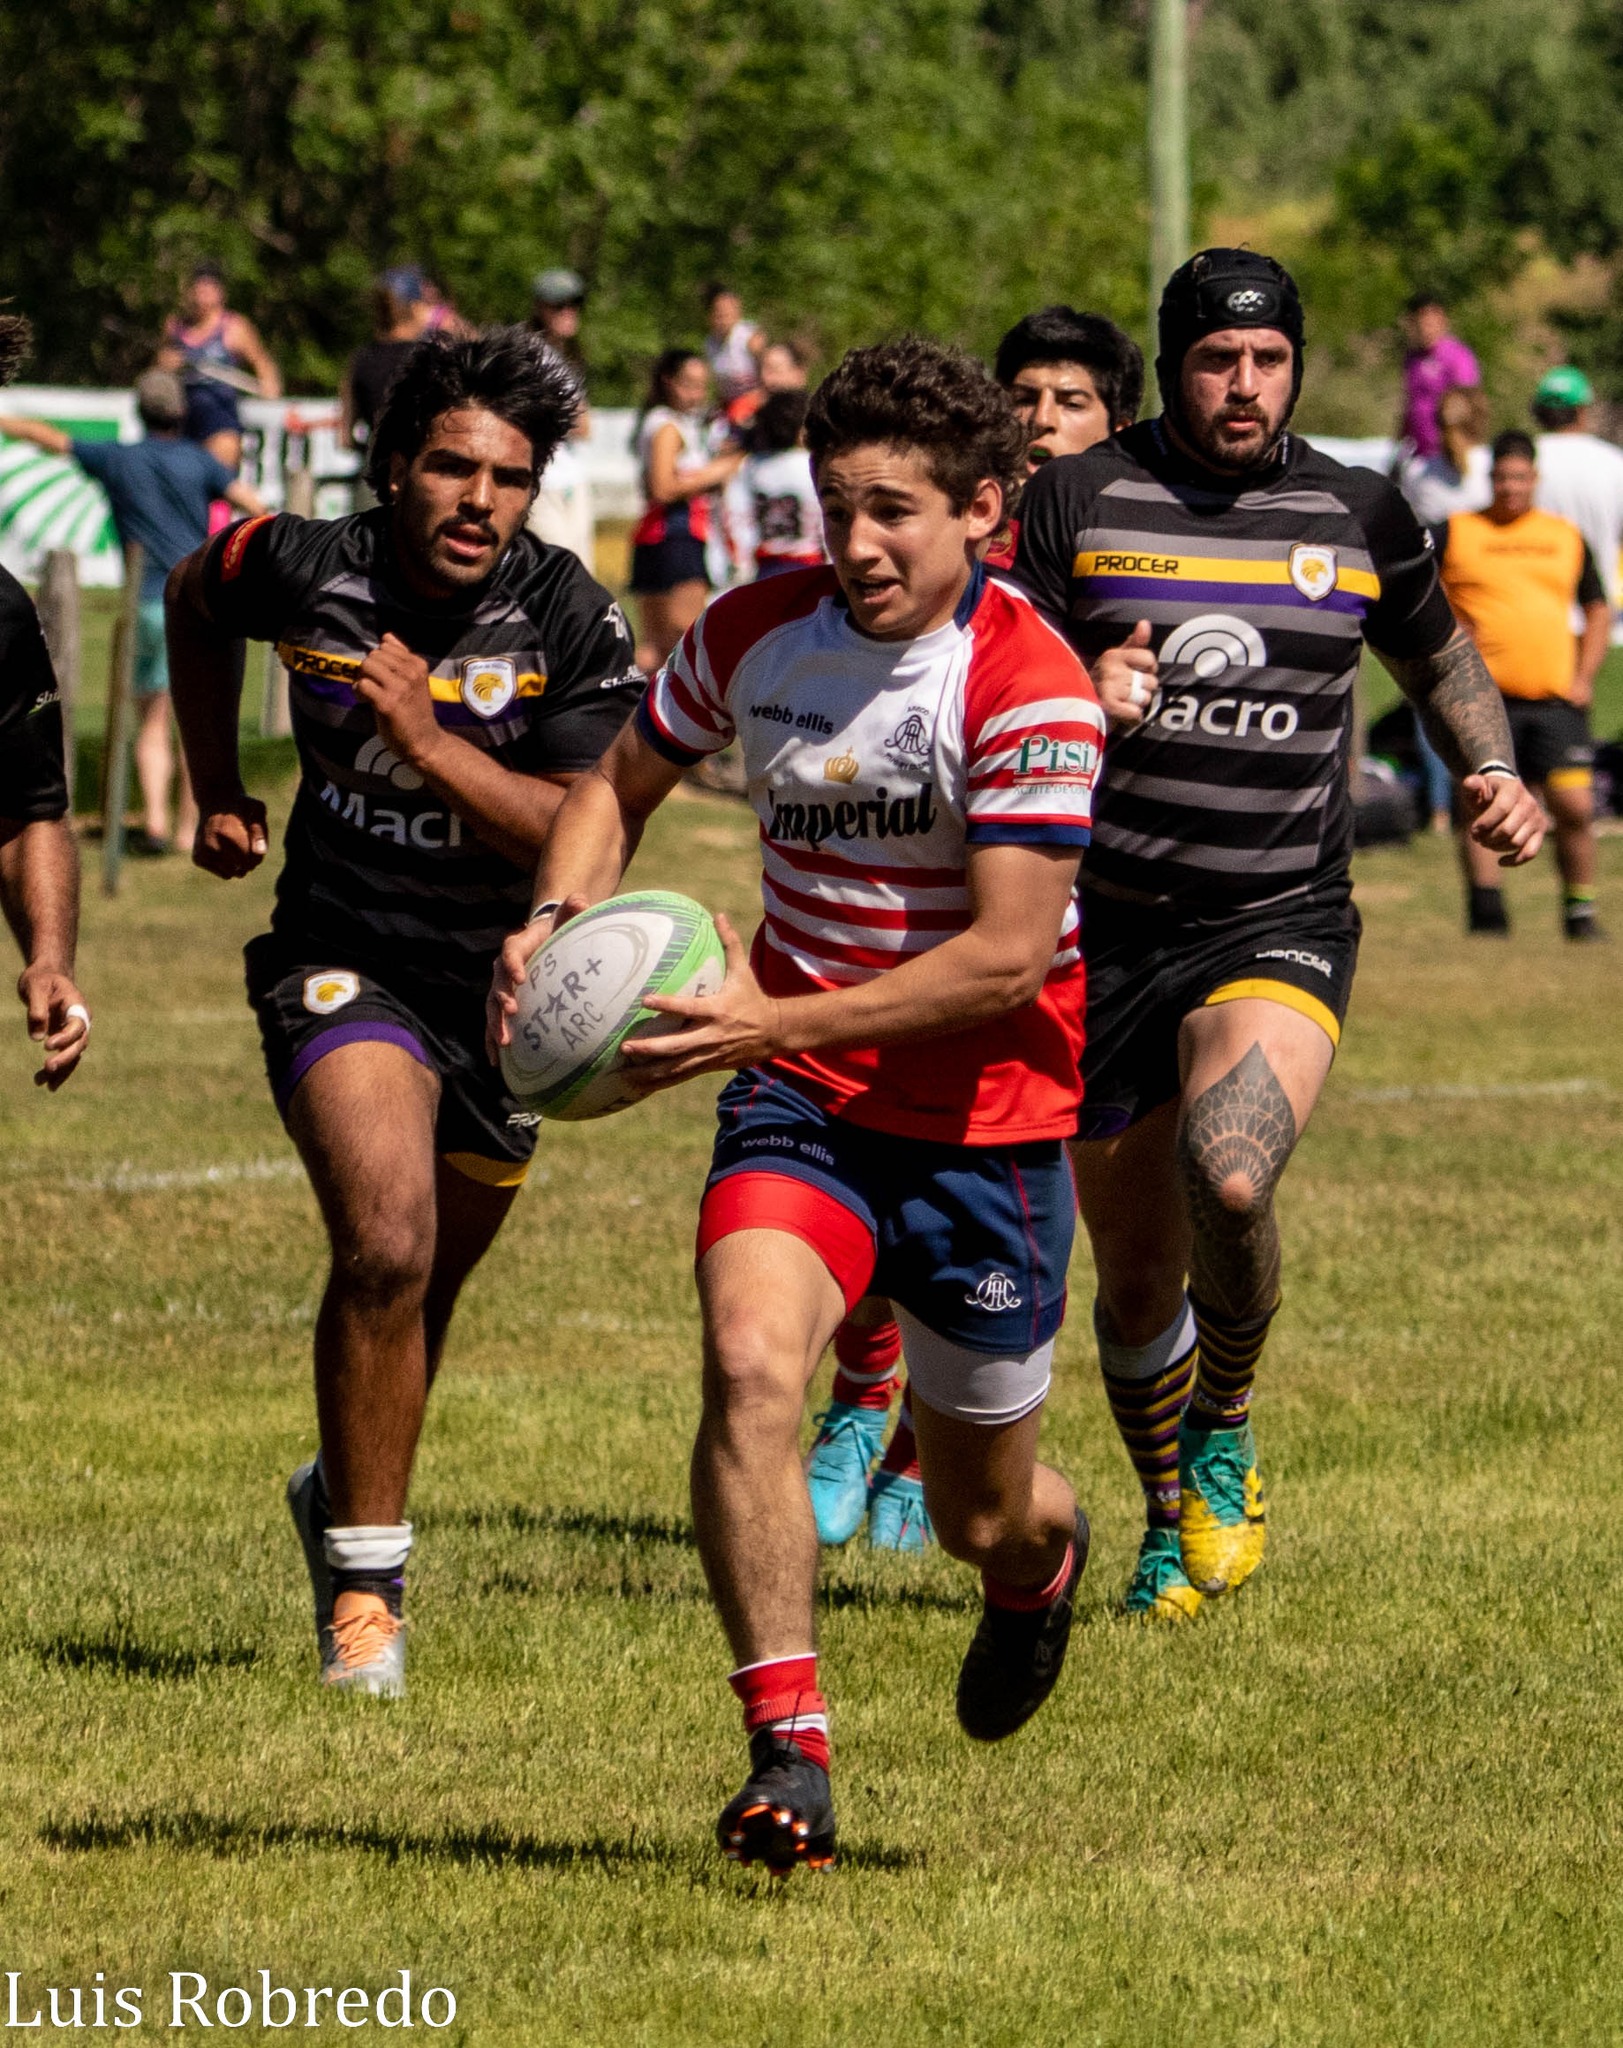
point(1234, 573)
point(449, 676)
point(1073, 378)
point(920, 749)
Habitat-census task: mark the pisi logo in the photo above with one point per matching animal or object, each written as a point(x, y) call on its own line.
point(996, 1293)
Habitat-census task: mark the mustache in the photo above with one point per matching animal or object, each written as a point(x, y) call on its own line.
point(1242, 414)
point(466, 529)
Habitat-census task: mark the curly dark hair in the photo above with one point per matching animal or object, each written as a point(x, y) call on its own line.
point(510, 371)
point(16, 344)
point(1060, 334)
point(917, 393)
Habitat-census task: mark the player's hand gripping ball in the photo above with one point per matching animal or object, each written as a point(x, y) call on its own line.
point(586, 993)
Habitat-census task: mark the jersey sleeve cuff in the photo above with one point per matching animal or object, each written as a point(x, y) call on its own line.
point(661, 742)
point(1015, 832)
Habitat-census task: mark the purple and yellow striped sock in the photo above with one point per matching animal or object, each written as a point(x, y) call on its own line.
point(1147, 1386)
point(1226, 1367)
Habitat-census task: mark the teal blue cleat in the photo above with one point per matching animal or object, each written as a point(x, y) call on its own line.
point(1159, 1589)
point(897, 1516)
point(846, 1444)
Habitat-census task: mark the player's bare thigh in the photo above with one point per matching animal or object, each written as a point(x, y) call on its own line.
point(770, 1308)
point(363, 1120)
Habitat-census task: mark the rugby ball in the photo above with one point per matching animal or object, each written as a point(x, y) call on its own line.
point(586, 993)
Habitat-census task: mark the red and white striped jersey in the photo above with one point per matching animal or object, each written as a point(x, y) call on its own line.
point(873, 767)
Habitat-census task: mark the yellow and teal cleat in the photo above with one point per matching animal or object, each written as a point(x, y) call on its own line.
point(1159, 1589)
point(1222, 1517)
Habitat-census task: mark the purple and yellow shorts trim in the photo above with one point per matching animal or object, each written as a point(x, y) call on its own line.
point(308, 1008)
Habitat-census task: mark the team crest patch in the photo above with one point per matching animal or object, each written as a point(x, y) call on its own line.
point(1313, 570)
point(324, 993)
point(909, 744)
point(996, 1292)
point(489, 684)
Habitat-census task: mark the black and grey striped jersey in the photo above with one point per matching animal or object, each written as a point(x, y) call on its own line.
point(535, 666)
point(1259, 591)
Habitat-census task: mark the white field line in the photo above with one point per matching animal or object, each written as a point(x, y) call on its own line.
point(1487, 1091)
point(129, 1180)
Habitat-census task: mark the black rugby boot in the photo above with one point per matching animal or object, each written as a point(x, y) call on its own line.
point(785, 1814)
point(1014, 1660)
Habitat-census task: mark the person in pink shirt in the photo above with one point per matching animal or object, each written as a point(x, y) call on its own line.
point(1435, 361)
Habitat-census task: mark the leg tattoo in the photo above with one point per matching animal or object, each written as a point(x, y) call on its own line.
point(1232, 1149)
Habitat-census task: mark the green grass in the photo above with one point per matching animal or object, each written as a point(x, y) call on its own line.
point(1372, 1801)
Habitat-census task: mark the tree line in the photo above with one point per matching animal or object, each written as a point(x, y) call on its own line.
point(855, 166)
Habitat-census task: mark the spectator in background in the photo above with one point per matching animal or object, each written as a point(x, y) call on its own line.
point(399, 321)
point(443, 317)
point(1513, 575)
point(557, 304)
point(669, 576)
point(1435, 361)
point(1455, 479)
point(218, 354)
point(160, 489)
point(733, 346)
point(783, 368)
point(562, 511)
point(1580, 476)
point(772, 502)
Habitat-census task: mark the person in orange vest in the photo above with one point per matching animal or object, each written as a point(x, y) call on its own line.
point(1514, 576)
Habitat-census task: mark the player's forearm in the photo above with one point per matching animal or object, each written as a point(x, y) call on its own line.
point(593, 836)
point(1458, 702)
point(52, 439)
point(205, 682)
point(39, 891)
point(511, 812)
point(967, 980)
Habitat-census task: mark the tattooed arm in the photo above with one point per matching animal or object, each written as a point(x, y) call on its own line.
point(1464, 715)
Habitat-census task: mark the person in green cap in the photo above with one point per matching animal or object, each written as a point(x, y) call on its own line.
point(1580, 476)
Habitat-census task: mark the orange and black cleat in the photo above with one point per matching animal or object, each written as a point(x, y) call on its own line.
point(784, 1817)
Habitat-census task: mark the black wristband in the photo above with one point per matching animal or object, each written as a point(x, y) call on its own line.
point(1497, 768)
point(544, 910)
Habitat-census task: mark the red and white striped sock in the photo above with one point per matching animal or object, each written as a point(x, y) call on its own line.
point(781, 1693)
point(866, 1361)
point(902, 1452)
point(1029, 1599)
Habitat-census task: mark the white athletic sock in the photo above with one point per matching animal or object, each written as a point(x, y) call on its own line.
point(369, 1547)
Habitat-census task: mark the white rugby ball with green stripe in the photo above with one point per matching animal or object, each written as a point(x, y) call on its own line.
point(587, 991)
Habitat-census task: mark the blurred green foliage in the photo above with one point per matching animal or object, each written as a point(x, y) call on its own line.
point(855, 167)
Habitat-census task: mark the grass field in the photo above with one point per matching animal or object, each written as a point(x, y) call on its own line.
point(1372, 1801)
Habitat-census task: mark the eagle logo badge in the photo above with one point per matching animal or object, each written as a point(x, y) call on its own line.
point(324, 993)
point(1313, 570)
point(489, 684)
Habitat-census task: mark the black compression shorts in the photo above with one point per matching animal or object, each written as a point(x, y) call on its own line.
point(1149, 966)
point(308, 1007)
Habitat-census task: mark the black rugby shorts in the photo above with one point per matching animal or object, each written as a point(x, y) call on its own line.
point(309, 1006)
point(1552, 742)
point(1150, 965)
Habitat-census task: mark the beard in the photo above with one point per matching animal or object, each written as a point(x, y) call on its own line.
point(1209, 442)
